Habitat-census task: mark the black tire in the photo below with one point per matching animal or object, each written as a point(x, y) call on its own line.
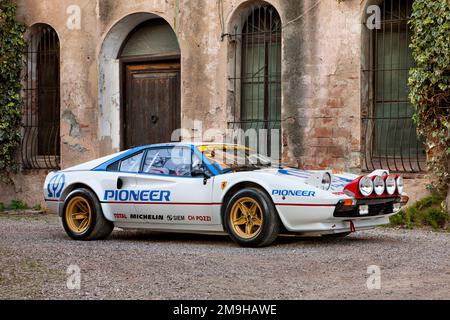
point(271, 224)
point(336, 235)
point(99, 227)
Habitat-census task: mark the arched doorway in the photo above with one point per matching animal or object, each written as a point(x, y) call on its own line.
point(150, 84)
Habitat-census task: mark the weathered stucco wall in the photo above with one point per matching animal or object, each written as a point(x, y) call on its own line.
point(321, 63)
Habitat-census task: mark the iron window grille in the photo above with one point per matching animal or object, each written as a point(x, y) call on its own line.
point(256, 77)
point(41, 91)
point(389, 134)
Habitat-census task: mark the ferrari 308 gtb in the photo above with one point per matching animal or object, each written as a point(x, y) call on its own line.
point(216, 188)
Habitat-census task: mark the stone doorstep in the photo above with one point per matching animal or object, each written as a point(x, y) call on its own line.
point(27, 212)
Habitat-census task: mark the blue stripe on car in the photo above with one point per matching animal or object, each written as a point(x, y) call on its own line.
point(208, 163)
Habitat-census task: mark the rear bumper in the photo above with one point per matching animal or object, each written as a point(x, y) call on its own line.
point(54, 206)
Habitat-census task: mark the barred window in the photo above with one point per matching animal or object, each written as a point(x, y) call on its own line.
point(257, 76)
point(41, 114)
point(389, 133)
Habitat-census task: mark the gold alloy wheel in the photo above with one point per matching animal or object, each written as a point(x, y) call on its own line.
point(246, 218)
point(78, 215)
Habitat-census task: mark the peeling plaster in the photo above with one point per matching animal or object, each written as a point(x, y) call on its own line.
point(76, 147)
point(75, 128)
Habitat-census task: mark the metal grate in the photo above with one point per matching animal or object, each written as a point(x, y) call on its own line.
point(41, 114)
point(256, 80)
point(389, 133)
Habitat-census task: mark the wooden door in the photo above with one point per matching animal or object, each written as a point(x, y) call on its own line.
point(152, 103)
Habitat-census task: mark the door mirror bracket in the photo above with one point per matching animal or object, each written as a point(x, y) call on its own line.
point(201, 172)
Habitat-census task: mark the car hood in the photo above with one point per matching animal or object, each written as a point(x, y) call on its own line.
point(339, 180)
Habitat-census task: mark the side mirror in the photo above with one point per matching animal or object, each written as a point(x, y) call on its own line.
point(198, 172)
point(201, 172)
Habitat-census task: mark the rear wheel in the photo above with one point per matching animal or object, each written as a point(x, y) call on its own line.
point(83, 217)
point(251, 218)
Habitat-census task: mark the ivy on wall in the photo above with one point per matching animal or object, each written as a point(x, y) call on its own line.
point(430, 83)
point(12, 44)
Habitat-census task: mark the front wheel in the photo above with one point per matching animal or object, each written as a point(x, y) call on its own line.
point(251, 218)
point(83, 217)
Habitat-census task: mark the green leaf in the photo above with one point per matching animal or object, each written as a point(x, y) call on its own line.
point(12, 45)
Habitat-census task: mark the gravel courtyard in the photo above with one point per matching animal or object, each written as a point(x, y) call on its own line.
point(35, 254)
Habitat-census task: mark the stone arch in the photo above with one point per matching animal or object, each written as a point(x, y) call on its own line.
point(110, 80)
point(244, 9)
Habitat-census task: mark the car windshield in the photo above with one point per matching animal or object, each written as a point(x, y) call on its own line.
point(228, 158)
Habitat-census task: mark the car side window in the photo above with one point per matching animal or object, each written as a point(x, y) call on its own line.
point(169, 162)
point(131, 164)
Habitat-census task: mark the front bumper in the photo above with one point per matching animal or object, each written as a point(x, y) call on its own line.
point(377, 207)
point(337, 218)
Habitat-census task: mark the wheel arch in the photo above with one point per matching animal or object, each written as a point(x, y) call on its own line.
point(72, 187)
point(238, 186)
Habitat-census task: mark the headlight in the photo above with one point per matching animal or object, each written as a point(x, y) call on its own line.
point(366, 186)
point(326, 181)
point(400, 185)
point(390, 185)
point(378, 185)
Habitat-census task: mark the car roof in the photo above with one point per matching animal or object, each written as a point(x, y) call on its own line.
point(118, 157)
point(183, 144)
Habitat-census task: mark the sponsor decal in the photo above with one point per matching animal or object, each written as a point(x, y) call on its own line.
point(295, 172)
point(338, 183)
point(137, 195)
point(173, 218)
point(120, 216)
point(55, 186)
point(293, 193)
point(200, 218)
point(157, 217)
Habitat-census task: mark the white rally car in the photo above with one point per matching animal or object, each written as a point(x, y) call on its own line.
point(206, 188)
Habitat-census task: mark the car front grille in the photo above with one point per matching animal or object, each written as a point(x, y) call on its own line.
point(377, 207)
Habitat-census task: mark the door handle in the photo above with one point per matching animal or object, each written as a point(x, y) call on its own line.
point(154, 119)
point(119, 183)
